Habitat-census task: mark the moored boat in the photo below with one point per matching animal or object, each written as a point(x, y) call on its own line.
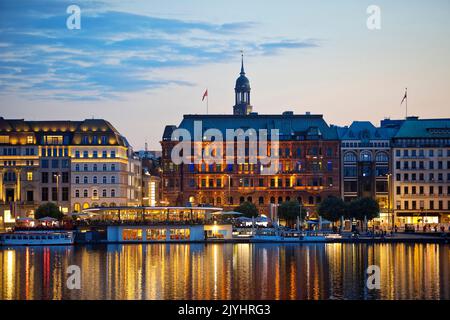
point(37, 238)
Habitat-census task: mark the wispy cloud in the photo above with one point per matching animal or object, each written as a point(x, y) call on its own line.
point(113, 52)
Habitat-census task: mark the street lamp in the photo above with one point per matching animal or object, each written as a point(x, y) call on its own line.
point(389, 201)
point(57, 175)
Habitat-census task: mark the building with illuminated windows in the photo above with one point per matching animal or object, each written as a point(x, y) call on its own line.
point(366, 164)
point(308, 152)
point(74, 164)
point(421, 171)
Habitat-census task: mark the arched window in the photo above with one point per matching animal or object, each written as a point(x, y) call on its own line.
point(280, 199)
point(272, 199)
point(77, 167)
point(104, 167)
point(113, 193)
point(77, 179)
point(77, 207)
point(366, 156)
point(94, 179)
point(299, 199)
point(85, 167)
point(288, 198)
point(382, 157)
point(249, 199)
point(219, 201)
point(95, 193)
point(77, 193)
point(311, 200)
point(95, 167)
point(104, 193)
point(113, 179)
point(85, 179)
point(85, 205)
point(85, 193)
point(241, 199)
point(261, 200)
point(104, 180)
point(350, 157)
point(113, 167)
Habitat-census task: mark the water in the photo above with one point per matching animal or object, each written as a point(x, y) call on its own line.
point(227, 271)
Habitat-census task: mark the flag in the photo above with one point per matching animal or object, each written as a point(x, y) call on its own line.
point(205, 95)
point(405, 97)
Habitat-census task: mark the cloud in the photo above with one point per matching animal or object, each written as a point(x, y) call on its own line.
point(113, 52)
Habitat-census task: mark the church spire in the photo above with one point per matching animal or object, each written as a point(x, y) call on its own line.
point(242, 63)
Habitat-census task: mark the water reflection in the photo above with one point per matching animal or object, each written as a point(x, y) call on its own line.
point(227, 271)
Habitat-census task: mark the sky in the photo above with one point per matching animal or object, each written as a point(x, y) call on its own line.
point(142, 65)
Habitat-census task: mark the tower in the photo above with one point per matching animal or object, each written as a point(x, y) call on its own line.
point(242, 93)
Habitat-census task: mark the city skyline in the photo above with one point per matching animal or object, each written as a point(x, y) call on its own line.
point(320, 58)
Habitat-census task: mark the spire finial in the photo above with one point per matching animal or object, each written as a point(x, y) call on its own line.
point(242, 62)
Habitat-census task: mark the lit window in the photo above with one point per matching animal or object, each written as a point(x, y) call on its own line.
point(29, 176)
point(30, 139)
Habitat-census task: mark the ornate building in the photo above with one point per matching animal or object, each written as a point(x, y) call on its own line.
point(421, 171)
point(309, 161)
point(74, 164)
point(366, 164)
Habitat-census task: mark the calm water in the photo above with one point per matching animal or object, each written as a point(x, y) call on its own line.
point(227, 271)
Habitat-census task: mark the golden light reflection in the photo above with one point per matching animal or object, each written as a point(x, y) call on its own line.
point(228, 271)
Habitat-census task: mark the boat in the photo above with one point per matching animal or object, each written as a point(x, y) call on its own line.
point(273, 235)
point(36, 238)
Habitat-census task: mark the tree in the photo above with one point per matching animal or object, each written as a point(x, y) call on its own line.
point(248, 209)
point(48, 210)
point(332, 209)
point(364, 207)
point(290, 210)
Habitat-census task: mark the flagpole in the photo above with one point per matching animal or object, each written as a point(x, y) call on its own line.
point(406, 92)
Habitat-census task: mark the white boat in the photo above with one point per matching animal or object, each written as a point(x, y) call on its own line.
point(37, 238)
point(288, 236)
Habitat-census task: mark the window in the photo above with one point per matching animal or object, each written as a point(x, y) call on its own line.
point(95, 154)
point(156, 234)
point(113, 179)
point(94, 180)
point(65, 177)
point(113, 167)
point(113, 154)
point(179, 234)
point(104, 193)
point(113, 193)
point(95, 193)
point(94, 167)
point(104, 180)
point(29, 176)
point(65, 194)
point(77, 167)
point(44, 194)
point(85, 180)
point(382, 157)
point(44, 163)
point(77, 193)
point(85, 154)
point(44, 177)
point(54, 194)
point(104, 154)
point(85, 193)
point(350, 157)
point(77, 154)
point(85, 167)
point(77, 179)
point(132, 234)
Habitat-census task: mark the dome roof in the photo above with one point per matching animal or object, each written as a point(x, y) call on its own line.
point(242, 83)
